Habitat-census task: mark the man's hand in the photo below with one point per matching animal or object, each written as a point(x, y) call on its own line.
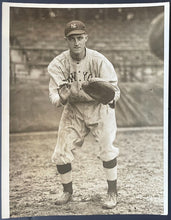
point(64, 92)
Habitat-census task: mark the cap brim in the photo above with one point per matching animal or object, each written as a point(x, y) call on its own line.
point(75, 32)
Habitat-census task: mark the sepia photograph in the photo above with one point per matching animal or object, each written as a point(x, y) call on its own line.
point(84, 109)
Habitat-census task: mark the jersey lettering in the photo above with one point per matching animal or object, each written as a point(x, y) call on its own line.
point(85, 73)
point(73, 76)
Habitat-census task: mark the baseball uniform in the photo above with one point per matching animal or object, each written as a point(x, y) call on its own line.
point(81, 113)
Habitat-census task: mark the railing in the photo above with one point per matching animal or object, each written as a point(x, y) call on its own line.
point(130, 64)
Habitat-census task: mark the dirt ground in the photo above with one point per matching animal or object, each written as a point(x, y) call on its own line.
point(34, 182)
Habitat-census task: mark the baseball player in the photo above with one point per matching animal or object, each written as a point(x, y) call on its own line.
point(82, 114)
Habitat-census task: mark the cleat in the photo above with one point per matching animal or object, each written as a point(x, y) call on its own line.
point(64, 198)
point(111, 201)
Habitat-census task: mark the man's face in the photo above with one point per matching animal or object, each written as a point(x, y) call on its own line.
point(77, 42)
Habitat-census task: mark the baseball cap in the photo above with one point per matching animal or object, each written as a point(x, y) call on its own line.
point(75, 27)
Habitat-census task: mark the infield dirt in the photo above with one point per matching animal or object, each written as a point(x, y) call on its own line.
point(35, 184)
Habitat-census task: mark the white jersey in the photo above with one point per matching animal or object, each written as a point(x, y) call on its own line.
point(64, 69)
point(82, 114)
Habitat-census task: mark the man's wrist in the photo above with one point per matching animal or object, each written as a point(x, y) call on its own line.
point(62, 101)
point(112, 104)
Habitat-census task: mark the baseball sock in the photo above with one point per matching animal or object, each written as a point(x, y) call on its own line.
point(110, 168)
point(65, 172)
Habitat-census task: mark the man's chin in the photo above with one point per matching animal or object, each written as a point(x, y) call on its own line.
point(77, 51)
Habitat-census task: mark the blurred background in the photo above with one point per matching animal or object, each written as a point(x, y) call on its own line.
point(121, 34)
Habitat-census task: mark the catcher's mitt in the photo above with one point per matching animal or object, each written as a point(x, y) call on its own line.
point(100, 90)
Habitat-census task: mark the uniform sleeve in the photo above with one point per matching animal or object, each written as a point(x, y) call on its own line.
point(53, 94)
point(107, 72)
point(56, 78)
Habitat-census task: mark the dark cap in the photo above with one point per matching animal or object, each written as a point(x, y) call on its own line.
point(75, 27)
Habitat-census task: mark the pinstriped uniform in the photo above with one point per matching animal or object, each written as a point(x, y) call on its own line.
point(82, 114)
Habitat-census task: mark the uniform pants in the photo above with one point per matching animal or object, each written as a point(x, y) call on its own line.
point(76, 122)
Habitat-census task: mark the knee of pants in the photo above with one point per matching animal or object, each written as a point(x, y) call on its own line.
point(62, 158)
point(109, 153)
point(105, 135)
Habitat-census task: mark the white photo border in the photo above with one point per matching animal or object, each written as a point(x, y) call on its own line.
point(5, 88)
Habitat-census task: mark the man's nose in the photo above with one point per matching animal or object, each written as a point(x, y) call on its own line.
point(76, 41)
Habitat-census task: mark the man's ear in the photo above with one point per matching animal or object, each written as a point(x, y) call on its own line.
point(86, 37)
